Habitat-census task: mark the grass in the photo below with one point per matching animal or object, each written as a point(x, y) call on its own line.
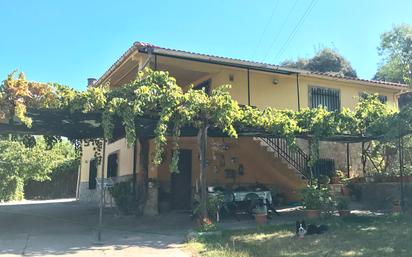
point(348, 236)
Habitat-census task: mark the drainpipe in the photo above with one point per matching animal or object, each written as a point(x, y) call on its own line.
point(248, 86)
point(298, 90)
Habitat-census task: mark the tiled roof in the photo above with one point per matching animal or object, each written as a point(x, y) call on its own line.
point(246, 63)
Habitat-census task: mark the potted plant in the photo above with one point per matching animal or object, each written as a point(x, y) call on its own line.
point(315, 199)
point(396, 208)
point(343, 207)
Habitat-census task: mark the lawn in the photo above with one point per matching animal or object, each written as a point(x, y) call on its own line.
point(348, 236)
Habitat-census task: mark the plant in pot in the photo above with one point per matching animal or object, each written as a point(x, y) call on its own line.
point(315, 199)
point(343, 207)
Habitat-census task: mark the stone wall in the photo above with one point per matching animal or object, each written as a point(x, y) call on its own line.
point(380, 196)
point(88, 195)
point(337, 151)
point(93, 195)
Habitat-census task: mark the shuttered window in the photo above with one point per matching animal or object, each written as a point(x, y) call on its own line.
point(326, 97)
point(92, 174)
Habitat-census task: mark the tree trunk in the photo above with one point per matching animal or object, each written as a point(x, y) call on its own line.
point(144, 174)
point(202, 142)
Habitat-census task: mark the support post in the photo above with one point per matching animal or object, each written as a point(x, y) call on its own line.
point(143, 174)
point(401, 167)
point(363, 159)
point(348, 159)
point(134, 170)
point(202, 142)
point(99, 230)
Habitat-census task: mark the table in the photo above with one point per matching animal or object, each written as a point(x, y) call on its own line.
point(266, 196)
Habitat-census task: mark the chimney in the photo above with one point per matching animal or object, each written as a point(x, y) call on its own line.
point(91, 82)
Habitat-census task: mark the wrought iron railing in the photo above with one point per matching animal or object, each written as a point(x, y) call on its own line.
point(296, 157)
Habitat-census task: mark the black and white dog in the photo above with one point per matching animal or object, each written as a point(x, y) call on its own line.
point(302, 229)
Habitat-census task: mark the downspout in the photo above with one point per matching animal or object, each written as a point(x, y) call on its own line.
point(298, 90)
point(248, 86)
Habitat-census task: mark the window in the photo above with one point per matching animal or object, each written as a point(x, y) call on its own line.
point(92, 174)
point(326, 97)
point(382, 98)
point(204, 85)
point(112, 165)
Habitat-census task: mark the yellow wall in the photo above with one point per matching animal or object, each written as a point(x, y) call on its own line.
point(125, 159)
point(260, 167)
point(283, 95)
point(259, 164)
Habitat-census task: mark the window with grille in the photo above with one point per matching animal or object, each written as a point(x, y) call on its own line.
point(382, 98)
point(326, 97)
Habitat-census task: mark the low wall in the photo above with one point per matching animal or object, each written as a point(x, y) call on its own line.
point(93, 195)
point(380, 196)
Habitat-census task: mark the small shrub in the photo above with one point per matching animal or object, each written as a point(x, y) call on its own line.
point(342, 204)
point(206, 225)
point(314, 198)
point(123, 197)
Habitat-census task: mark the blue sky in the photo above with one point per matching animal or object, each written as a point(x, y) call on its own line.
point(67, 41)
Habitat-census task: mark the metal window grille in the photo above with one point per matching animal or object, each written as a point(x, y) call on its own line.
point(326, 97)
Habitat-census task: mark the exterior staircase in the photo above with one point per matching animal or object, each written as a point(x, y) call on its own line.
point(296, 159)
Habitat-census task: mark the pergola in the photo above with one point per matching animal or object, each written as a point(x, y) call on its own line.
point(78, 125)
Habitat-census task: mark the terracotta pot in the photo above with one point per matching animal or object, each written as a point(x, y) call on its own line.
point(312, 214)
point(344, 213)
point(345, 191)
point(261, 218)
point(396, 209)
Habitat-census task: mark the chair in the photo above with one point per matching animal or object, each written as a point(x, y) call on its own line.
point(252, 201)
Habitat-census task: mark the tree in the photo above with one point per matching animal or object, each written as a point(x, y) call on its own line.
point(327, 61)
point(396, 52)
point(19, 164)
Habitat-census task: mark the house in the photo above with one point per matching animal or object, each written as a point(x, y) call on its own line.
point(240, 161)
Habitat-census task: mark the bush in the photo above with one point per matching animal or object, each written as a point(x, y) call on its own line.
point(11, 189)
point(123, 196)
point(314, 198)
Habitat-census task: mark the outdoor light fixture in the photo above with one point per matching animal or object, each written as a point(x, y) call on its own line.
point(231, 77)
point(275, 81)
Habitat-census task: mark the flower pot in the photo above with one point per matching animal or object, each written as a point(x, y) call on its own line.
point(311, 214)
point(261, 218)
point(396, 209)
point(344, 213)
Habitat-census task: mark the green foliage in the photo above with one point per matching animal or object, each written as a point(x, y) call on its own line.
point(19, 164)
point(123, 197)
point(214, 203)
point(314, 198)
point(342, 204)
point(206, 225)
point(155, 95)
point(326, 60)
point(396, 52)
